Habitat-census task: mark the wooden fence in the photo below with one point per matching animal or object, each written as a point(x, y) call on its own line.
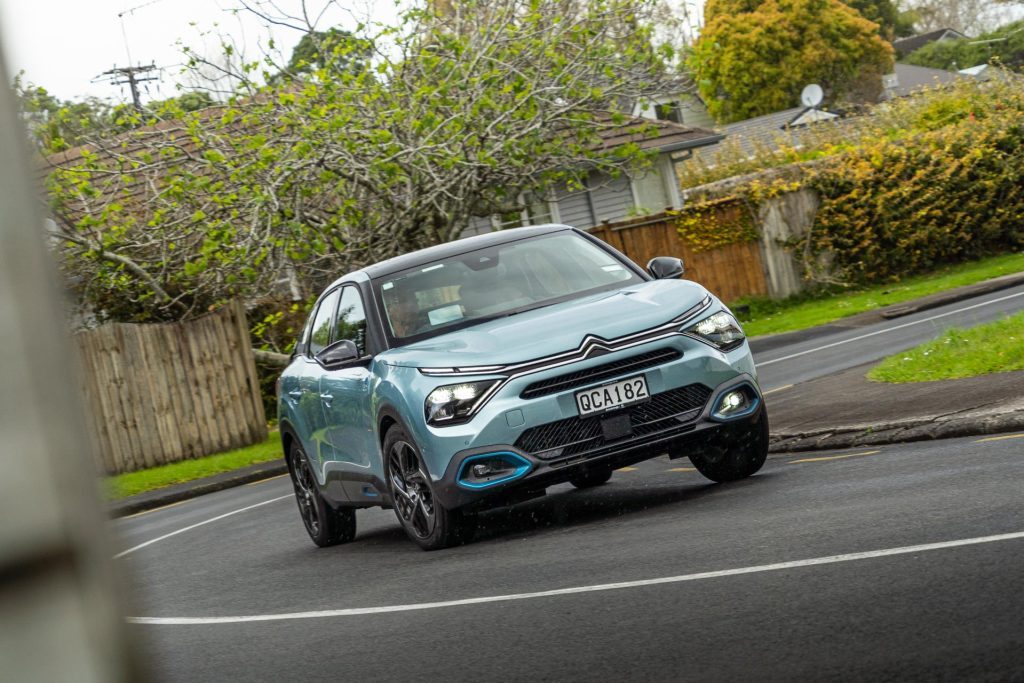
point(167, 392)
point(731, 271)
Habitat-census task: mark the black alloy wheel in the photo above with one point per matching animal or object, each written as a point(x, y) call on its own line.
point(325, 525)
point(414, 499)
point(591, 479)
point(737, 459)
point(425, 520)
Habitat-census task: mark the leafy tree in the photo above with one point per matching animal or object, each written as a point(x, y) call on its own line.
point(906, 23)
point(969, 17)
point(289, 184)
point(334, 49)
point(194, 100)
point(882, 12)
point(56, 125)
point(754, 56)
point(1005, 45)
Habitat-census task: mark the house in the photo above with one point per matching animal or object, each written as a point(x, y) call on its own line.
point(904, 46)
point(906, 79)
point(767, 132)
point(604, 198)
point(684, 107)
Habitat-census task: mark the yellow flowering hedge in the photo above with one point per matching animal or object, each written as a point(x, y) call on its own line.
point(715, 223)
point(894, 208)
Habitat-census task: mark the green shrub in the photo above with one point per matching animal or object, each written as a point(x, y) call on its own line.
point(894, 208)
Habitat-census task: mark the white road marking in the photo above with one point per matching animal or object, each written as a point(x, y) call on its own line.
point(888, 329)
point(198, 524)
point(358, 611)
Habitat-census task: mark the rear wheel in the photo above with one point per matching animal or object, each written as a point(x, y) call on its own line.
point(591, 479)
point(425, 520)
point(736, 458)
point(325, 525)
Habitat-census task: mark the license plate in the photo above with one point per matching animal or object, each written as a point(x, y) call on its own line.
point(611, 396)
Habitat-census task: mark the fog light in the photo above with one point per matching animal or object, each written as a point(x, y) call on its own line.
point(490, 469)
point(735, 403)
point(484, 469)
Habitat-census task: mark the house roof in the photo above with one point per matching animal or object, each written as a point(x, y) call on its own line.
point(664, 136)
point(905, 46)
point(910, 78)
point(769, 130)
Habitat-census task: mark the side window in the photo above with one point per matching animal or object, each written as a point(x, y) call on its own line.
point(351, 322)
point(320, 335)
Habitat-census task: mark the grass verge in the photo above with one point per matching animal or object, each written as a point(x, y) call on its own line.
point(124, 485)
point(803, 311)
point(993, 347)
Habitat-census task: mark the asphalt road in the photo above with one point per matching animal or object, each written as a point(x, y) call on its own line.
point(658, 575)
point(951, 612)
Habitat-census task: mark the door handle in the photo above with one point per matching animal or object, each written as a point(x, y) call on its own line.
point(295, 393)
point(327, 398)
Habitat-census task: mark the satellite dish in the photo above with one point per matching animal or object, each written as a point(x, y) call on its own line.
point(812, 95)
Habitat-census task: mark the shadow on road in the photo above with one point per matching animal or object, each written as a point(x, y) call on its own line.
point(568, 507)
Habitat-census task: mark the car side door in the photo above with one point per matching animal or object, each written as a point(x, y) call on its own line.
point(345, 395)
point(308, 372)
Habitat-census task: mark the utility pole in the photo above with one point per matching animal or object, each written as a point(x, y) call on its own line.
point(132, 75)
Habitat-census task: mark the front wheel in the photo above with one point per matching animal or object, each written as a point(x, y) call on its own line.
point(325, 525)
point(425, 520)
point(591, 479)
point(735, 457)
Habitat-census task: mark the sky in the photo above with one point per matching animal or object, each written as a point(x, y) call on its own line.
point(63, 45)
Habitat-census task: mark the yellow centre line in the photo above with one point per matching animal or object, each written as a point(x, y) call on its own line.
point(772, 391)
point(833, 457)
point(146, 512)
point(260, 481)
point(627, 469)
point(1001, 438)
point(683, 469)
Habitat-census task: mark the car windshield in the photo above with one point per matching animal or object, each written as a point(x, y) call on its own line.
point(497, 281)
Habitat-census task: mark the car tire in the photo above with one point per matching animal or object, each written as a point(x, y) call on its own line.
point(325, 525)
point(591, 479)
point(427, 522)
point(737, 460)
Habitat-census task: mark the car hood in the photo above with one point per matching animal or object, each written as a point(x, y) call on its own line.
point(553, 329)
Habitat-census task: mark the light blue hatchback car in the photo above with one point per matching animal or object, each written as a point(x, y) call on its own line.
point(480, 372)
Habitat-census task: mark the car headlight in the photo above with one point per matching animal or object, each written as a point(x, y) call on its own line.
point(455, 402)
point(721, 330)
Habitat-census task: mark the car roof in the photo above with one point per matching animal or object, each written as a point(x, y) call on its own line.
point(429, 255)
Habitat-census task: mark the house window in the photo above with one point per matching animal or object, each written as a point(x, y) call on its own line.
point(649, 192)
point(669, 111)
point(535, 210)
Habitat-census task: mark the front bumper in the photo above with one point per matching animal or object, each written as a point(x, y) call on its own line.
point(689, 431)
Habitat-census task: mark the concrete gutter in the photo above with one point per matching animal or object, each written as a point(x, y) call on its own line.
point(970, 423)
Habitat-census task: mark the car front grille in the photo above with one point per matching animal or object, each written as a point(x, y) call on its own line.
point(579, 437)
point(580, 378)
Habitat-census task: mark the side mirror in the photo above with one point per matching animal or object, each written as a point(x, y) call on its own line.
point(665, 267)
point(338, 353)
